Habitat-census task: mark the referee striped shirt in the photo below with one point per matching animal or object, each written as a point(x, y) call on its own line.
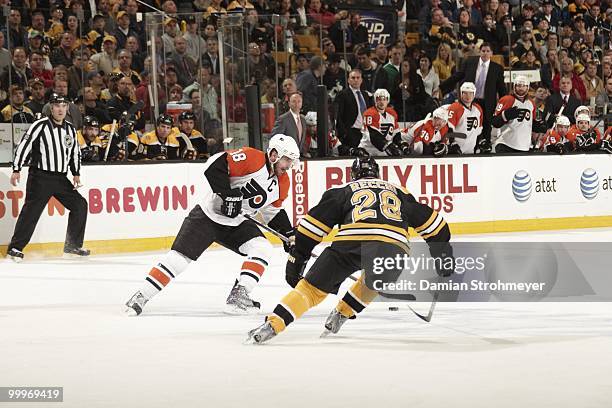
point(52, 147)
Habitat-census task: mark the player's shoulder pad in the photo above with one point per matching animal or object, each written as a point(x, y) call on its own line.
point(504, 103)
point(245, 160)
point(172, 140)
point(149, 137)
point(392, 112)
point(283, 190)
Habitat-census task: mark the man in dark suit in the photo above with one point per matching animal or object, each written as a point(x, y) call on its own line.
point(563, 101)
point(489, 79)
point(211, 57)
point(293, 123)
point(350, 105)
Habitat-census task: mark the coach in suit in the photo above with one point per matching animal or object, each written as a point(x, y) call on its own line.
point(293, 123)
point(350, 105)
point(488, 77)
point(563, 101)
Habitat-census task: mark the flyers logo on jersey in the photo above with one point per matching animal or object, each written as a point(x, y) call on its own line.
point(255, 193)
point(524, 114)
point(472, 123)
point(386, 128)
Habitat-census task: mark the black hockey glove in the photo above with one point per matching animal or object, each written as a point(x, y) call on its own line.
point(439, 149)
point(405, 148)
point(606, 146)
point(485, 146)
point(511, 113)
point(294, 271)
point(454, 149)
point(288, 246)
point(557, 148)
point(445, 260)
point(358, 152)
point(232, 203)
point(392, 150)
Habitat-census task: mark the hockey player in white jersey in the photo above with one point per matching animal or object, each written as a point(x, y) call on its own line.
point(380, 125)
point(514, 116)
point(464, 121)
point(247, 180)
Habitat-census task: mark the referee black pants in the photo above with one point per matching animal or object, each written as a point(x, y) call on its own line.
point(41, 186)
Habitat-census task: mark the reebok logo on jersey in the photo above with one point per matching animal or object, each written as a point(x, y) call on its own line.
point(472, 123)
point(255, 193)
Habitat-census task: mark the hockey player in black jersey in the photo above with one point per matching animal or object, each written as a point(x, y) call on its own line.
point(367, 210)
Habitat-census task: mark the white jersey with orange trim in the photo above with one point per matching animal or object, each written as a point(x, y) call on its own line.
point(462, 119)
point(378, 124)
point(517, 132)
point(248, 170)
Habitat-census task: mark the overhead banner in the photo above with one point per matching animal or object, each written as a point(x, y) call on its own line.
point(381, 24)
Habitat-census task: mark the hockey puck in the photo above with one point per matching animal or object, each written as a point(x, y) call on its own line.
point(393, 308)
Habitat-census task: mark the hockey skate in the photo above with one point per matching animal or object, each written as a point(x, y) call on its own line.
point(261, 334)
point(136, 304)
point(334, 322)
point(239, 303)
point(15, 255)
point(81, 253)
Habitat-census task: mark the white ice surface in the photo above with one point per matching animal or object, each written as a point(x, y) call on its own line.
point(61, 324)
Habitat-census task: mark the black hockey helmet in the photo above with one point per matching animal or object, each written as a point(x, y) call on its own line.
point(57, 98)
point(364, 167)
point(186, 115)
point(164, 119)
point(91, 121)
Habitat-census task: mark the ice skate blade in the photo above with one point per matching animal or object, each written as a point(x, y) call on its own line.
point(15, 259)
point(325, 334)
point(129, 312)
point(234, 310)
point(74, 256)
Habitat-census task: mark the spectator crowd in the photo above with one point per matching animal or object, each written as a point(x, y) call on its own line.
point(100, 60)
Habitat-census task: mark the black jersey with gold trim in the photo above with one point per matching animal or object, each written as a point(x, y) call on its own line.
point(369, 210)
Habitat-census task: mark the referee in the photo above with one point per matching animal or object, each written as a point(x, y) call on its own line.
point(51, 143)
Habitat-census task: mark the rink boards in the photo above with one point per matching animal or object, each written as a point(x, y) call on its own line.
point(140, 207)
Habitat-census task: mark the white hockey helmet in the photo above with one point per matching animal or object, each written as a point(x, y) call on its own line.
point(582, 109)
point(382, 93)
point(562, 120)
point(440, 113)
point(583, 117)
point(468, 87)
point(521, 80)
point(311, 119)
point(285, 146)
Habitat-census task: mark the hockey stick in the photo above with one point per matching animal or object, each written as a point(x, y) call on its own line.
point(267, 228)
point(431, 309)
point(110, 139)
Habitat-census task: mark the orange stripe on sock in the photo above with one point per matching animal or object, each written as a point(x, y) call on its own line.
point(253, 267)
point(159, 276)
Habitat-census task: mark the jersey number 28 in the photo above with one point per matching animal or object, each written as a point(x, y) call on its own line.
point(365, 202)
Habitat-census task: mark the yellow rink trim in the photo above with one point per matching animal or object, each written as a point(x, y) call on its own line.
point(481, 227)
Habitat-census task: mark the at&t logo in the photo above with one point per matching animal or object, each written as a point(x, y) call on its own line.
point(521, 186)
point(589, 183)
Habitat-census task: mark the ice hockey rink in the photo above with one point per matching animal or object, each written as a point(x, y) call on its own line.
point(62, 324)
